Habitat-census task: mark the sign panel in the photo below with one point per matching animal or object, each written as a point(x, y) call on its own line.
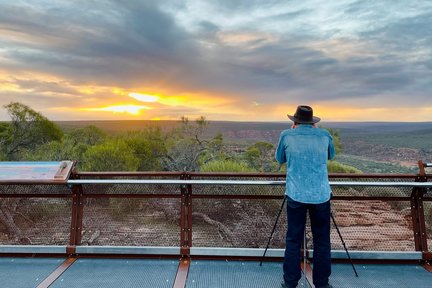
point(35, 171)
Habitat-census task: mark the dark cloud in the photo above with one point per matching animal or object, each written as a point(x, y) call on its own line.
point(116, 41)
point(45, 86)
point(138, 44)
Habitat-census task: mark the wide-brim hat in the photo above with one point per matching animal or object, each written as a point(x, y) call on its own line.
point(304, 115)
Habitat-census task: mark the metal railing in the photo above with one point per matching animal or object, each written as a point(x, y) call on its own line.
point(219, 214)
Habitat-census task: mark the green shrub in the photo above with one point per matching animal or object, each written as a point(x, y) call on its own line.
point(225, 166)
point(336, 167)
point(112, 155)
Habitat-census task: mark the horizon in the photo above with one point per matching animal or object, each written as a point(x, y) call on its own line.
point(238, 121)
point(351, 60)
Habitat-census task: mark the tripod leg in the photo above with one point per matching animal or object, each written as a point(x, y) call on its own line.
point(343, 243)
point(274, 227)
point(304, 256)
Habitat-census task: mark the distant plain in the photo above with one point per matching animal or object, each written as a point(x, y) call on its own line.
point(372, 147)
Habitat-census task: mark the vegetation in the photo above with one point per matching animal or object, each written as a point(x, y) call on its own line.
point(260, 156)
point(336, 167)
point(224, 166)
point(27, 130)
point(185, 147)
point(31, 136)
point(370, 166)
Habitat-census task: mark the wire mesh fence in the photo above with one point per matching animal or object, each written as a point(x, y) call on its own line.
point(34, 189)
point(223, 215)
point(35, 221)
point(237, 223)
point(131, 222)
point(428, 221)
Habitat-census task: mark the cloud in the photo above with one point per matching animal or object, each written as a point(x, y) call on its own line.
point(267, 52)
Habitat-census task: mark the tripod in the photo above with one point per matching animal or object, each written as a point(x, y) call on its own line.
point(334, 222)
point(343, 243)
point(274, 228)
point(271, 236)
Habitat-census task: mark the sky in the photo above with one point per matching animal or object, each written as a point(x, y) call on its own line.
point(251, 60)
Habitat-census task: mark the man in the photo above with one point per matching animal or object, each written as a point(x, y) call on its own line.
point(306, 149)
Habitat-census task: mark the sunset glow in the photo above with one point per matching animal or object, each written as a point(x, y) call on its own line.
point(130, 109)
point(221, 60)
point(144, 97)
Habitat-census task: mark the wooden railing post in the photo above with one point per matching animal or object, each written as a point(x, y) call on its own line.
point(417, 212)
point(418, 218)
point(185, 217)
point(427, 256)
point(77, 219)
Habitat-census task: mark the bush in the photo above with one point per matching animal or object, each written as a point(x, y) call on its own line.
point(225, 166)
point(336, 167)
point(110, 156)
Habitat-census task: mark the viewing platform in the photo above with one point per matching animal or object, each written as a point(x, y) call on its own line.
point(181, 229)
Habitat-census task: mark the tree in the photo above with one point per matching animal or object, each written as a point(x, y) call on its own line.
point(72, 146)
point(148, 146)
point(89, 135)
point(187, 148)
point(113, 155)
point(27, 130)
point(261, 156)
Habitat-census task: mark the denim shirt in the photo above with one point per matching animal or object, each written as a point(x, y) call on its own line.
point(306, 150)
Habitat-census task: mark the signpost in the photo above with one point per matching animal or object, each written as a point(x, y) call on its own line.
point(30, 172)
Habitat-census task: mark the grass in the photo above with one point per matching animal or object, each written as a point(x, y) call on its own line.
point(370, 166)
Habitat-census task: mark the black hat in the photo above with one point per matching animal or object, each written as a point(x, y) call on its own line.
point(304, 115)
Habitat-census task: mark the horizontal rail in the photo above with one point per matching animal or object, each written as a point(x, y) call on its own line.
point(236, 174)
point(335, 254)
point(33, 249)
point(132, 250)
point(240, 182)
point(204, 251)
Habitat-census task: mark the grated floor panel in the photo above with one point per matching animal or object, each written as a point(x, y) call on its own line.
point(26, 272)
point(239, 274)
point(114, 273)
point(380, 275)
point(131, 273)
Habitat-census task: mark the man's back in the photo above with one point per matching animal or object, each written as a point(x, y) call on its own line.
point(306, 150)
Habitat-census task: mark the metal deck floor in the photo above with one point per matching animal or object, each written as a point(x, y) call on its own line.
point(130, 273)
point(239, 274)
point(26, 272)
point(114, 273)
point(381, 275)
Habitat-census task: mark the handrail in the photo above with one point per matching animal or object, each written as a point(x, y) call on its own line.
point(185, 187)
point(236, 174)
point(240, 182)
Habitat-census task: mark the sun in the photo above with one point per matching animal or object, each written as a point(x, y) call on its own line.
point(144, 97)
point(129, 109)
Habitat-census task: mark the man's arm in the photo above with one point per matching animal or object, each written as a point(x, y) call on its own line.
point(280, 151)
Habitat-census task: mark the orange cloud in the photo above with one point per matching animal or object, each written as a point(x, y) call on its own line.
point(144, 97)
point(130, 109)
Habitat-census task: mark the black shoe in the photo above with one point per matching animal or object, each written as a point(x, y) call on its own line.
point(326, 286)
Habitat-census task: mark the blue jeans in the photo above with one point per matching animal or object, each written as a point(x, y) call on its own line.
point(320, 224)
